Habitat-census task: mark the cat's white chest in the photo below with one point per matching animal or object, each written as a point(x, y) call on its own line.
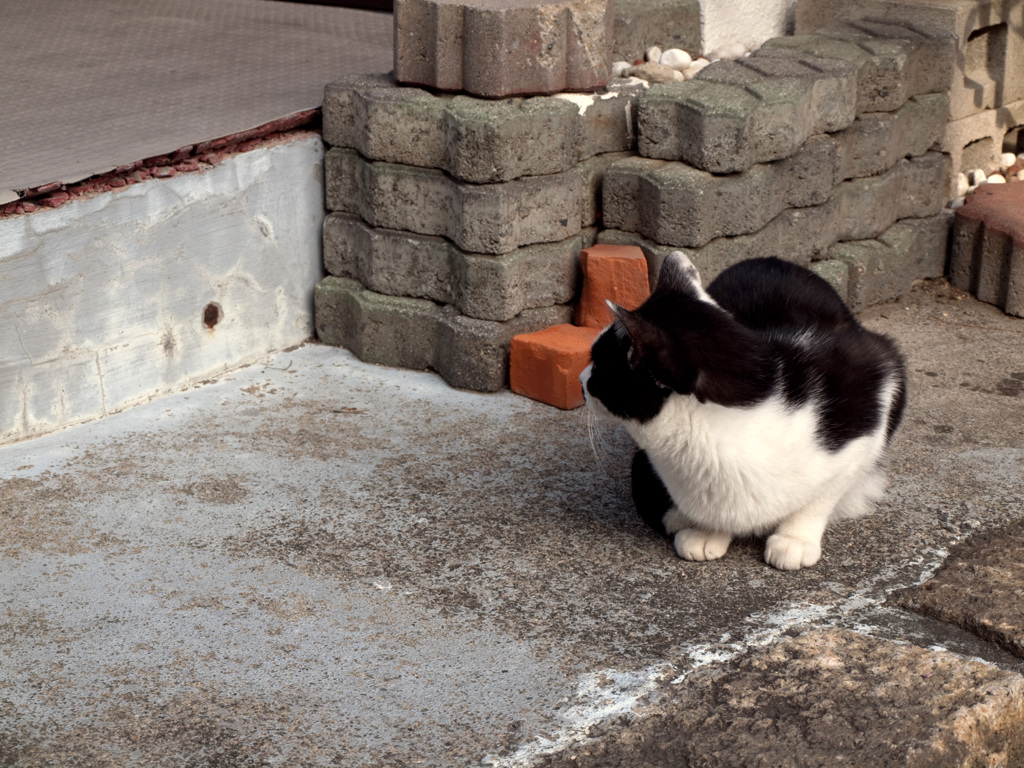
point(742, 469)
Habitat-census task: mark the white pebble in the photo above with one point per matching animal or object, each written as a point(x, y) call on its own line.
point(1020, 175)
point(734, 51)
point(957, 202)
point(1020, 156)
point(976, 177)
point(962, 185)
point(697, 66)
point(676, 58)
point(995, 178)
point(619, 67)
point(654, 54)
point(1006, 160)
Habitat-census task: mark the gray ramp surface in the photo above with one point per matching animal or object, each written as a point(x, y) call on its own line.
point(320, 562)
point(89, 86)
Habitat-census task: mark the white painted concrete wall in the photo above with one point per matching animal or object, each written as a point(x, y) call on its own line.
point(746, 22)
point(102, 299)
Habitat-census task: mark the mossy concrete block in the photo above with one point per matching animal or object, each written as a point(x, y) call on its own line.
point(387, 330)
point(970, 49)
point(483, 286)
point(415, 333)
point(480, 218)
point(736, 114)
point(886, 68)
point(477, 140)
point(875, 142)
point(499, 48)
point(676, 204)
point(834, 272)
point(883, 269)
point(859, 209)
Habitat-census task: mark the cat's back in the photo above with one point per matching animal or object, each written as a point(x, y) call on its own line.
point(769, 293)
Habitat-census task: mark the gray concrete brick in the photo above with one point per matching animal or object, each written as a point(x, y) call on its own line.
point(416, 333)
point(883, 269)
point(735, 114)
point(834, 272)
point(384, 121)
point(387, 330)
point(931, 54)
point(483, 286)
point(480, 218)
point(496, 49)
point(885, 67)
point(676, 204)
point(973, 47)
point(875, 142)
point(640, 24)
point(477, 140)
point(976, 141)
point(592, 172)
point(859, 209)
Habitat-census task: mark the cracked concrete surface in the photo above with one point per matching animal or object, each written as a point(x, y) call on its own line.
point(313, 561)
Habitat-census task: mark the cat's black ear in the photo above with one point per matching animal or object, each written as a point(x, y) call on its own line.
point(679, 275)
point(638, 330)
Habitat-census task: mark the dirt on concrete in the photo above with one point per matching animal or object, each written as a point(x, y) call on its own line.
point(322, 562)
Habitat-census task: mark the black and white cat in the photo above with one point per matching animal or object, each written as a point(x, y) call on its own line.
point(760, 406)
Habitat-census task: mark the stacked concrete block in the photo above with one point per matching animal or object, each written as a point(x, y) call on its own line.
point(736, 114)
point(415, 333)
point(810, 142)
point(477, 140)
point(461, 217)
point(483, 286)
point(981, 79)
point(499, 48)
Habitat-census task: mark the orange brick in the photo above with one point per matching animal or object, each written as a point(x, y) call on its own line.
point(616, 272)
point(546, 365)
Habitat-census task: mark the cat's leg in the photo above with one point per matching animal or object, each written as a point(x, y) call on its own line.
point(796, 543)
point(651, 498)
point(695, 544)
point(862, 496)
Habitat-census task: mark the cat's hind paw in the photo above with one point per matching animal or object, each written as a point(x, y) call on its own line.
point(788, 553)
point(693, 544)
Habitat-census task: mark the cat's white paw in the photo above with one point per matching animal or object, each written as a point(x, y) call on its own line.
point(692, 544)
point(788, 553)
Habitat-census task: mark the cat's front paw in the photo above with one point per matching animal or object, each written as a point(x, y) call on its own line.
point(788, 553)
point(693, 544)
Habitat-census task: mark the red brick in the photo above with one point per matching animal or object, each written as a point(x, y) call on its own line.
point(615, 272)
point(546, 365)
point(988, 246)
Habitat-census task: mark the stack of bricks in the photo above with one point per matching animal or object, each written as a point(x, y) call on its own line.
point(546, 365)
point(815, 148)
point(985, 118)
point(456, 222)
point(976, 58)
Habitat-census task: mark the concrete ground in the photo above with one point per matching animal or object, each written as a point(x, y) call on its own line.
point(314, 561)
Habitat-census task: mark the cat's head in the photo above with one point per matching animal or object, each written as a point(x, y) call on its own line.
point(678, 342)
